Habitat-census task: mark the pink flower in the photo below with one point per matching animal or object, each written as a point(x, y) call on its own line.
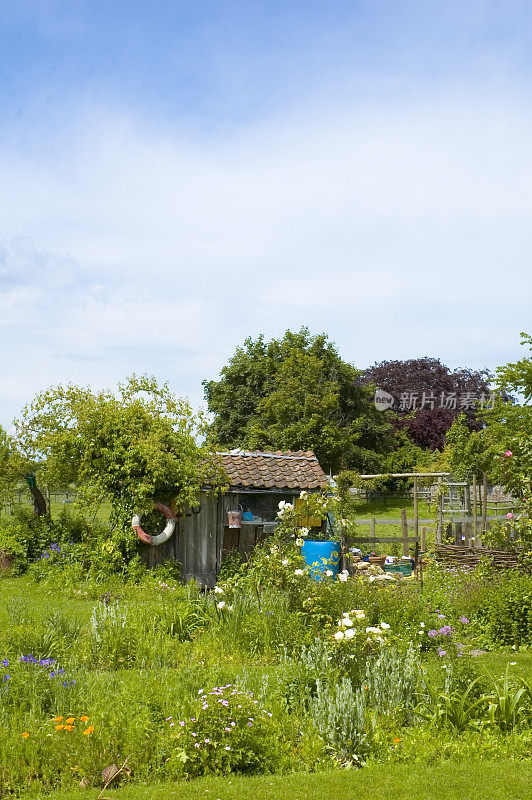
point(509, 516)
point(507, 453)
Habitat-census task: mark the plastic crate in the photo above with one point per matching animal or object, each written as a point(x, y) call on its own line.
point(405, 569)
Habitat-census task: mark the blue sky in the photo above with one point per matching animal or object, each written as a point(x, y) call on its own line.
point(177, 175)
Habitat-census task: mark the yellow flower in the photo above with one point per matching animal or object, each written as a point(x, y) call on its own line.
point(69, 727)
point(58, 719)
point(25, 734)
point(59, 727)
point(70, 720)
point(88, 730)
point(84, 718)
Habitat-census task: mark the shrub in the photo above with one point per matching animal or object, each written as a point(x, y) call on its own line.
point(507, 615)
point(339, 713)
point(227, 731)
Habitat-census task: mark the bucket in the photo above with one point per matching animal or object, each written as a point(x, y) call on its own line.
point(234, 519)
point(321, 556)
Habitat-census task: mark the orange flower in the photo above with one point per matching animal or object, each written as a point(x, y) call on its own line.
point(396, 740)
point(59, 727)
point(25, 734)
point(88, 730)
point(58, 719)
point(70, 720)
point(69, 727)
point(84, 718)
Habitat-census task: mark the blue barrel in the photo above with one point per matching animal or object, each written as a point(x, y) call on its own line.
point(321, 556)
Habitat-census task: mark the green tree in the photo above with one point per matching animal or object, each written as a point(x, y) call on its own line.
point(9, 465)
point(127, 447)
point(503, 448)
point(297, 393)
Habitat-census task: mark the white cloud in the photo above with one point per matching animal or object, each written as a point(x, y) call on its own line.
point(401, 233)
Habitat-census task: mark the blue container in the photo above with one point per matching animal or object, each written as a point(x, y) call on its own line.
point(321, 556)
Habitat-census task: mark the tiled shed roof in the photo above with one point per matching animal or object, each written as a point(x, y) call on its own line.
point(279, 470)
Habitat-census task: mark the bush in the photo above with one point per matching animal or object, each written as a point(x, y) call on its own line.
point(507, 615)
point(227, 731)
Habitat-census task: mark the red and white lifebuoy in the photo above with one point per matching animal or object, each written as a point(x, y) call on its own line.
point(161, 537)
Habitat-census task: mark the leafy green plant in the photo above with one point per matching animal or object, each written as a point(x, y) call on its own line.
point(339, 713)
point(509, 705)
point(456, 708)
point(227, 731)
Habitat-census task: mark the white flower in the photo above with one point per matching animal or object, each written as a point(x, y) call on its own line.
point(221, 604)
point(342, 577)
point(229, 608)
point(350, 632)
point(284, 562)
point(339, 635)
point(303, 495)
point(345, 572)
point(329, 573)
point(218, 590)
point(282, 505)
point(359, 614)
point(385, 626)
point(346, 622)
point(421, 624)
point(298, 572)
point(374, 631)
point(304, 532)
point(300, 543)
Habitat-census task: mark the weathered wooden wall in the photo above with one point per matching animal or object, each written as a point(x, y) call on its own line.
point(199, 540)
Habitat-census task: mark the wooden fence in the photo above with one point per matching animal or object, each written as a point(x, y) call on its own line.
point(455, 555)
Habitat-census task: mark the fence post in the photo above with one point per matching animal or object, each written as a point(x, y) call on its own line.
point(416, 514)
point(475, 506)
point(404, 526)
point(458, 533)
point(423, 539)
point(372, 532)
point(439, 524)
point(484, 502)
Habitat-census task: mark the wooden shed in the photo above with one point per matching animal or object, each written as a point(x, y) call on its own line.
point(258, 481)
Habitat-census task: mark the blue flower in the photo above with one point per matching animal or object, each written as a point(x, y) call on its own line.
point(5, 663)
point(6, 678)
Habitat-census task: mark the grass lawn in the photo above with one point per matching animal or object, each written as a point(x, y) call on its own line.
point(387, 509)
point(469, 781)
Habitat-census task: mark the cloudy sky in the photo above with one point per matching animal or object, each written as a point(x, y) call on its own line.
point(176, 175)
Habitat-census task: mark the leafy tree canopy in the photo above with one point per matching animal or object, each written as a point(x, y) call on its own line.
point(502, 448)
point(11, 468)
point(297, 393)
point(127, 447)
point(427, 380)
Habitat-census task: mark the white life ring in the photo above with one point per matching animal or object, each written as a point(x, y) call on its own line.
point(161, 537)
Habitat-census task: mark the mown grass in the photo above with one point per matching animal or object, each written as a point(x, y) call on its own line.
point(503, 780)
point(390, 508)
